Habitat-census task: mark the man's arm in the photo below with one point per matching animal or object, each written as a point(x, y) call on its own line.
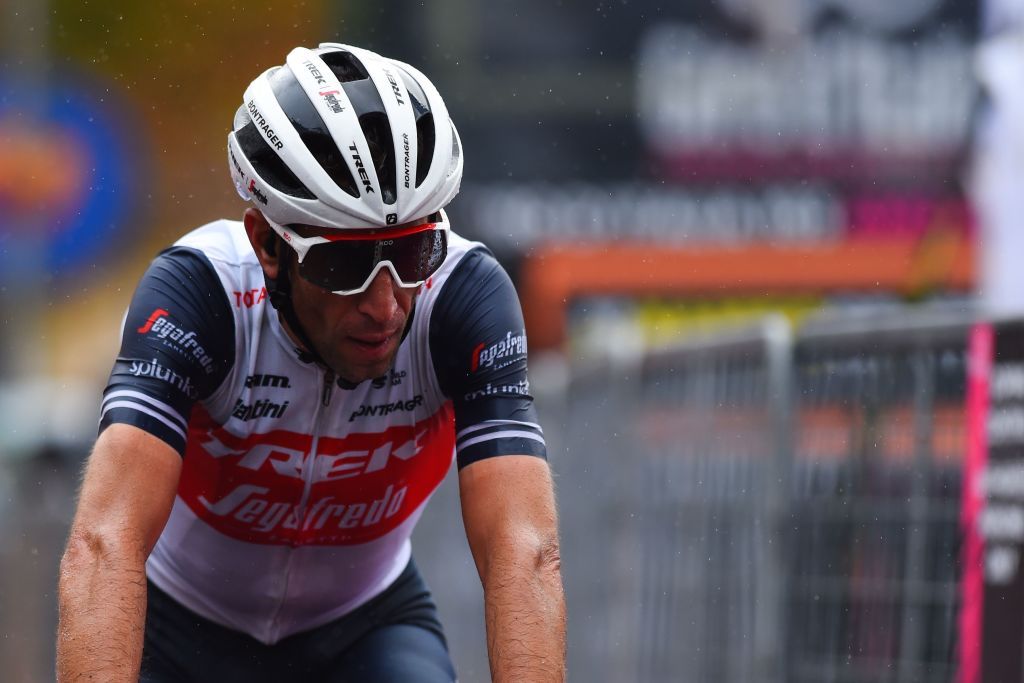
point(508, 506)
point(126, 498)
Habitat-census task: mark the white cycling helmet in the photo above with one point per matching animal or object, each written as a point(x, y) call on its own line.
point(341, 137)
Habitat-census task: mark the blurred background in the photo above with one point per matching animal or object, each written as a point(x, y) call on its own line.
point(755, 241)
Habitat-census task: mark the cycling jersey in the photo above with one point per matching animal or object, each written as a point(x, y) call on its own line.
point(297, 496)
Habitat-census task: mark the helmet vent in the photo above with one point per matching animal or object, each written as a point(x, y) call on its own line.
point(382, 150)
point(345, 66)
point(311, 128)
point(267, 164)
point(425, 145)
point(419, 99)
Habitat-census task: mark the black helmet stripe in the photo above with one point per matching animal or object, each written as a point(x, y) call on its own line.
point(268, 165)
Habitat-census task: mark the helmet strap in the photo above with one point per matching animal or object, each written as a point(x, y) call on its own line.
point(280, 291)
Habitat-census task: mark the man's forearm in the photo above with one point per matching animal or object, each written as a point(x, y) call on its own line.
point(525, 614)
point(102, 611)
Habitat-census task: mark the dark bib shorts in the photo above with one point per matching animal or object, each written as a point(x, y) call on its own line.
point(394, 637)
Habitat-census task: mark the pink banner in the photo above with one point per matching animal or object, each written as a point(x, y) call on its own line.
point(973, 582)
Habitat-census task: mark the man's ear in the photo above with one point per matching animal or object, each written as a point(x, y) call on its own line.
point(263, 240)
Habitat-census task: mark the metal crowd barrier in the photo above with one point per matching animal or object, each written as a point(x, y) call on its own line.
point(753, 506)
point(879, 440)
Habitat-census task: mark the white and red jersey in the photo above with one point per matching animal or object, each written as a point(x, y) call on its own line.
point(298, 497)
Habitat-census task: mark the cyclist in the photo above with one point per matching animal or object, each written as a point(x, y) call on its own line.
point(289, 392)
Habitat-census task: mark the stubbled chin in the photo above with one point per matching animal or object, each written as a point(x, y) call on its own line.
point(356, 370)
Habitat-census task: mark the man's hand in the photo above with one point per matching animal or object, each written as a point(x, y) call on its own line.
point(508, 506)
point(126, 498)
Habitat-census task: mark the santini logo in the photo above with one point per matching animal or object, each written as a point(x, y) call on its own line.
point(245, 412)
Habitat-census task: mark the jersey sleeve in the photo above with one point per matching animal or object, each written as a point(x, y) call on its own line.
point(177, 346)
point(478, 345)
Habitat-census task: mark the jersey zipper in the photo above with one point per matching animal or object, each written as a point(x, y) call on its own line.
point(325, 399)
point(307, 476)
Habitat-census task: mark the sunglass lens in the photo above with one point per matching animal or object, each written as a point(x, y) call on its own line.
point(345, 265)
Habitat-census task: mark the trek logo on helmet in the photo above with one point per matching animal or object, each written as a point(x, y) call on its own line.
point(320, 80)
point(238, 167)
point(394, 86)
point(363, 176)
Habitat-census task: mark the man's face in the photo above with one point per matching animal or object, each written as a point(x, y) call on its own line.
point(357, 335)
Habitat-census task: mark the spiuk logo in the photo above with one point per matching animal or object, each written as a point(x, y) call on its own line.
point(185, 343)
point(486, 355)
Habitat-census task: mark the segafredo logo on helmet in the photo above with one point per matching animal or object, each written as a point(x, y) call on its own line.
point(262, 124)
point(255, 192)
point(394, 86)
point(330, 98)
point(358, 160)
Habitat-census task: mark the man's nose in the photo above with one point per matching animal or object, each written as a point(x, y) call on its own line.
point(378, 302)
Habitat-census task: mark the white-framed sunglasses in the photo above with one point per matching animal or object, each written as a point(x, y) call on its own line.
point(347, 262)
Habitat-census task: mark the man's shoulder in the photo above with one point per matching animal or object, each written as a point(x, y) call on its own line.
point(464, 256)
point(221, 241)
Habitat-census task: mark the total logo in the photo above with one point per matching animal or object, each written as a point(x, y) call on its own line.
point(250, 297)
point(174, 337)
point(358, 161)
